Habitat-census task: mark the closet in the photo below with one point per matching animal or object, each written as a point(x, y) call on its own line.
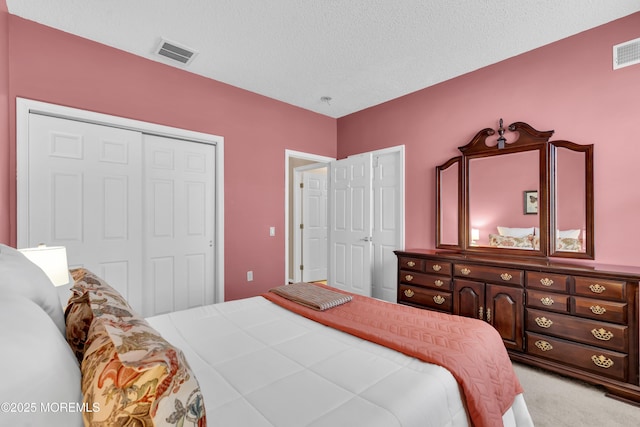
point(138, 209)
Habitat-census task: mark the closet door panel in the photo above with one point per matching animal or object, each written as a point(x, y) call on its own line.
point(85, 184)
point(179, 223)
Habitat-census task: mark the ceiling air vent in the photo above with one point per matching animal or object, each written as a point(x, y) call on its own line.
point(625, 54)
point(175, 51)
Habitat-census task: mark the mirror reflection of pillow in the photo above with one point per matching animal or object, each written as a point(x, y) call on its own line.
point(515, 232)
point(526, 242)
point(569, 244)
point(568, 234)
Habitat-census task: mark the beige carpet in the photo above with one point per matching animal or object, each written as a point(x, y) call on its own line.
point(556, 401)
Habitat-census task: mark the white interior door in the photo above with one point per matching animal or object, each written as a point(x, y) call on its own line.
point(388, 214)
point(84, 193)
point(314, 225)
point(179, 223)
point(136, 209)
point(350, 221)
point(366, 222)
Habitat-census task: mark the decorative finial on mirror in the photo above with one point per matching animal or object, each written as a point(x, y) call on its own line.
point(502, 140)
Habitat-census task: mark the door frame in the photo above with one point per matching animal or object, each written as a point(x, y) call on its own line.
point(25, 106)
point(288, 182)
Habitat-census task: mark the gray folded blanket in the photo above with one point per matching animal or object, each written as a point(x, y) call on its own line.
point(312, 296)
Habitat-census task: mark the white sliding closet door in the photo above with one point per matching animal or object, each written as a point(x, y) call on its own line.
point(85, 187)
point(136, 209)
point(179, 223)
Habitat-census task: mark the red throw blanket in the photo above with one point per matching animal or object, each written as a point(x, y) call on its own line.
point(470, 349)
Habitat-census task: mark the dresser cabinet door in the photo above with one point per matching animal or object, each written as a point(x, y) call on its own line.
point(500, 306)
point(505, 311)
point(468, 298)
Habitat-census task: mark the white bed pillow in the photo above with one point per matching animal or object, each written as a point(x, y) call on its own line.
point(21, 276)
point(40, 375)
point(568, 234)
point(515, 232)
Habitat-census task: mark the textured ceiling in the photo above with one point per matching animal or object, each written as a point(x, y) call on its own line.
point(358, 52)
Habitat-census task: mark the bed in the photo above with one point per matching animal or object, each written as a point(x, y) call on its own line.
point(252, 362)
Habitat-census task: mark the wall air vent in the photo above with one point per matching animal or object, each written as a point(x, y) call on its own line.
point(175, 51)
point(625, 54)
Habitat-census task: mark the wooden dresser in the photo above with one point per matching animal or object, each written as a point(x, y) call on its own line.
point(579, 320)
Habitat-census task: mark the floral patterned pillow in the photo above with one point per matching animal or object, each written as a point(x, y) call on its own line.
point(129, 371)
point(568, 244)
point(78, 316)
point(526, 242)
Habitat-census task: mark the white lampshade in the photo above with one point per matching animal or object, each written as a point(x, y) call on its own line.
point(52, 260)
point(475, 234)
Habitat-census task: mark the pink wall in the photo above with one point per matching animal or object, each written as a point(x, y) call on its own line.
point(56, 67)
point(568, 86)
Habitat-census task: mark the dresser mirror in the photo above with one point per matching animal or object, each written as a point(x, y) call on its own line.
point(572, 183)
point(449, 203)
point(517, 194)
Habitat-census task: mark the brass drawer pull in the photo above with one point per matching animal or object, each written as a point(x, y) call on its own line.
point(602, 334)
point(488, 315)
point(408, 277)
point(597, 289)
point(543, 322)
point(465, 271)
point(544, 345)
point(506, 277)
point(436, 267)
point(601, 361)
point(546, 282)
point(438, 283)
point(411, 264)
point(438, 299)
point(481, 313)
point(596, 309)
point(546, 301)
point(409, 293)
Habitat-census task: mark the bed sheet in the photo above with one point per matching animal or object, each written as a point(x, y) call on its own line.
point(261, 365)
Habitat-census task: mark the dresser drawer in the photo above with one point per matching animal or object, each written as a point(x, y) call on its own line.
point(437, 267)
point(548, 301)
point(593, 359)
point(414, 264)
point(548, 281)
point(599, 334)
point(430, 298)
point(429, 280)
point(493, 274)
point(597, 288)
point(599, 309)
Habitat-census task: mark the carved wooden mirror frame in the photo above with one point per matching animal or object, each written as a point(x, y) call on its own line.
point(549, 238)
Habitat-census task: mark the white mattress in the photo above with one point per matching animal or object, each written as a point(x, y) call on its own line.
point(260, 365)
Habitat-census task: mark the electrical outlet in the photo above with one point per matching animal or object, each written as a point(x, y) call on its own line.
point(272, 231)
point(249, 276)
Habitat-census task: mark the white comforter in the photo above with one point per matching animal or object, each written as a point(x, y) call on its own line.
point(260, 365)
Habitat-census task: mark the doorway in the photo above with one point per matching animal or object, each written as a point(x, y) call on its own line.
point(384, 234)
point(310, 223)
point(293, 160)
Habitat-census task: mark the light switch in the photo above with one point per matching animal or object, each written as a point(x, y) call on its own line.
point(272, 231)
